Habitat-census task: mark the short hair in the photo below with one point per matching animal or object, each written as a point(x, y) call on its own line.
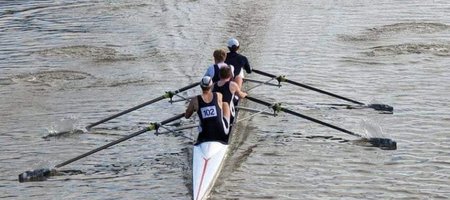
point(220, 55)
point(225, 72)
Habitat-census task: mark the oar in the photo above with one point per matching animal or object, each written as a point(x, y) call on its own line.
point(381, 107)
point(41, 174)
point(169, 94)
point(384, 143)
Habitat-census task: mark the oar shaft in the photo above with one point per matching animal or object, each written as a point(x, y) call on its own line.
point(142, 105)
point(308, 87)
point(302, 116)
point(179, 116)
point(319, 122)
point(126, 111)
point(118, 141)
point(103, 147)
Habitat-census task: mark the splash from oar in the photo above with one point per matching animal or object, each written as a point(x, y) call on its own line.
point(164, 96)
point(383, 143)
point(72, 130)
point(379, 107)
point(42, 174)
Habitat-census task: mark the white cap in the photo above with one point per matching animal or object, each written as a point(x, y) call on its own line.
point(232, 42)
point(206, 82)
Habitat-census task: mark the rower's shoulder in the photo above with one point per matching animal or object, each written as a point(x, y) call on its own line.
point(240, 55)
point(240, 58)
point(243, 57)
point(233, 84)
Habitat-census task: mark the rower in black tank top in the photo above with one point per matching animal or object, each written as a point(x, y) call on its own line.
point(213, 127)
point(216, 77)
point(227, 96)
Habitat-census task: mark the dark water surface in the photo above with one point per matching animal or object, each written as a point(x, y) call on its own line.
point(65, 64)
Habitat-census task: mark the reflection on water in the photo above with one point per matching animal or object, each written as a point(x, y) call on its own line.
point(66, 64)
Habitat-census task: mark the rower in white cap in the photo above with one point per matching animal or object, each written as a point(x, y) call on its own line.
point(238, 61)
point(213, 113)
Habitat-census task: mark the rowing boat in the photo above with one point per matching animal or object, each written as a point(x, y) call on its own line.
point(208, 159)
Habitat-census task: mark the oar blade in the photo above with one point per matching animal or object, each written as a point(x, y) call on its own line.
point(381, 107)
point(35, 175)
point(383, 143)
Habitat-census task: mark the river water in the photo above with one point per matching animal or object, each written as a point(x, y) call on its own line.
point(65, 64)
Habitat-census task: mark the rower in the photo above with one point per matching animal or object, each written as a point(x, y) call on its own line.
point(238, 61)
point(228, 89)
point(213, 113)
point(219, 61)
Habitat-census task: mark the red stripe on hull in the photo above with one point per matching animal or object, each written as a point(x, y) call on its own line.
point(203, 175)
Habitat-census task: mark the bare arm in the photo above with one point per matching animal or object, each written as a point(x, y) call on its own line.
point(234, 87)
point(193, 106)
point(238, 79)
point(219, 99)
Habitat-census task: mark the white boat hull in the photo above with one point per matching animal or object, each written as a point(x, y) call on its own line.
point(208, 158)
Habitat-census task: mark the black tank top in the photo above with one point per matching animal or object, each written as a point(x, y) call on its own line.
point(211, 121)
point(227, 96)
point(225, 91)
point(216, 76)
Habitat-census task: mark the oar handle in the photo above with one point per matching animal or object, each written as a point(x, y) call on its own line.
point(306, 86)
point(153, 126)
point(166, 95)
point(264, 73)
point(186, 88)
point(277, 107)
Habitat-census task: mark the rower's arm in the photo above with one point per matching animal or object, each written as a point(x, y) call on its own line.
point(219, 99)
point(193, 104)
point(237, 90)
point(238, 79)
point(247, 66)
point(210, 71)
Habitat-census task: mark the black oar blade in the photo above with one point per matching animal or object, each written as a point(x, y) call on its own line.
point(381, 107)
point(35, 175)
point(383, 143)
